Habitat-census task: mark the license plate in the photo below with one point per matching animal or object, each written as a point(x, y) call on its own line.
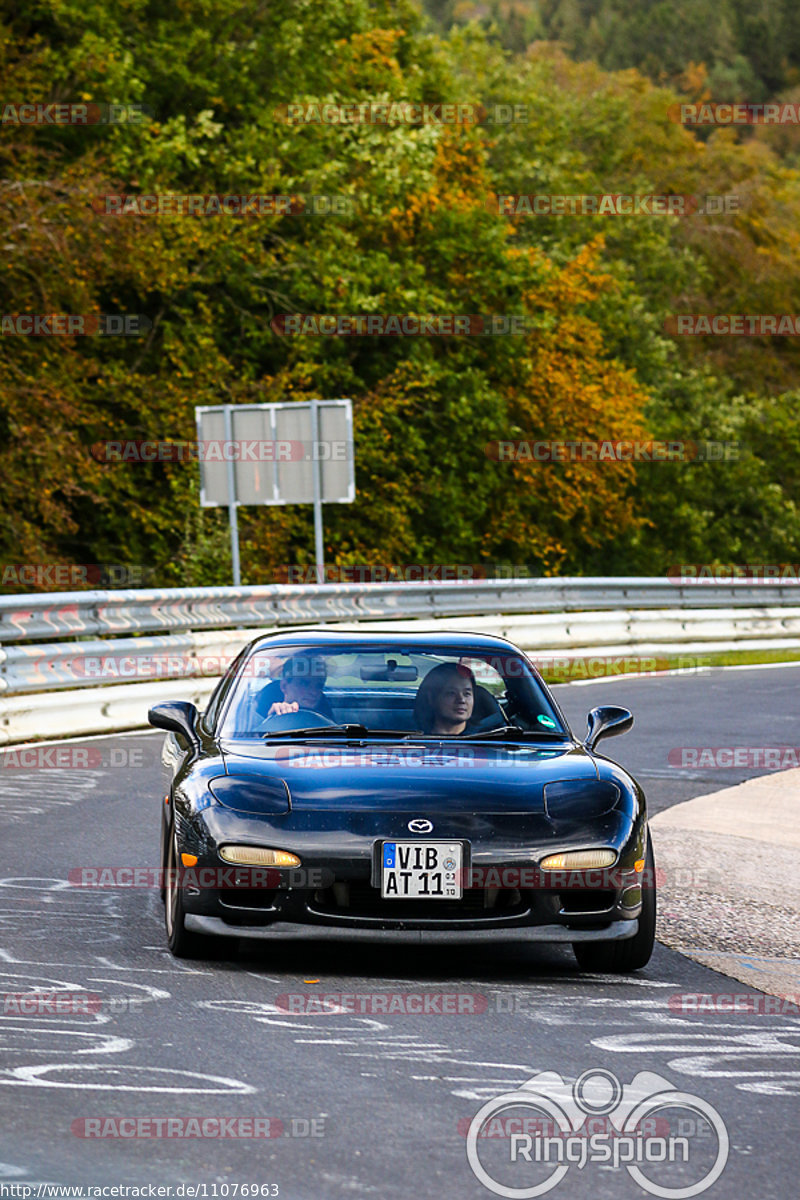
point(421, 870)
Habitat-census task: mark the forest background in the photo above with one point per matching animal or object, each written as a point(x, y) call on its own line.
point(421, 233)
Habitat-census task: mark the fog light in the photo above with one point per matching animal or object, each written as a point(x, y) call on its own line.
point(578, 860)
point(258, 856)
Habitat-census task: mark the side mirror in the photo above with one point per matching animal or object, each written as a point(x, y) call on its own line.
point(176, 716)
point(607, 721)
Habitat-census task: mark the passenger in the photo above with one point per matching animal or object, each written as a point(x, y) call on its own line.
point(300, 686)
point(445, 700)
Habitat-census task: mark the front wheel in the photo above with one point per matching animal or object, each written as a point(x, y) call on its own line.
point(181, 942)
point(630, 954)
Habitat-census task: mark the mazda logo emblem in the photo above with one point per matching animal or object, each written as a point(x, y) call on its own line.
point(420, 825)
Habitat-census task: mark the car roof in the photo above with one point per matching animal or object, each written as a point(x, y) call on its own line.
point(438, 640)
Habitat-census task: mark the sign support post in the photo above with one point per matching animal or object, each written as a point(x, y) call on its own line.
point(233, 516)
point(319, 546)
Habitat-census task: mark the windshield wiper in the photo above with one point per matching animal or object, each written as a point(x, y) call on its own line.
point(356, 731)
point(506, 730)
point(316, 731)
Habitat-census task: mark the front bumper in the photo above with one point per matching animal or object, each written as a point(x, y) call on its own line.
point(550, 915)
point(284, 930)
point(339, 873)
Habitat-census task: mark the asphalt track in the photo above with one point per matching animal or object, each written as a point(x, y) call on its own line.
point(361, 1105)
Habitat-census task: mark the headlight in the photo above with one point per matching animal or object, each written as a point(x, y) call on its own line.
point(578, 860)
point(579, 797)
point(250, 793)
point(258, 856)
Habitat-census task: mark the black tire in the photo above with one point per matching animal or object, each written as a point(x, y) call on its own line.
point(162, 857)
point(630, 954)
point(181, 942)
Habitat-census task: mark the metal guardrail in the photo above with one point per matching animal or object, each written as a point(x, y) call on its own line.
point(118, 652)
point(38, 667)
point(173, 610)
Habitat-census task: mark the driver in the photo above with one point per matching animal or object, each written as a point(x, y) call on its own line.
point(300, 686)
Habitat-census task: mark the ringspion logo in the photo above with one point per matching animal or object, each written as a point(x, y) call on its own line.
point(681, 1157)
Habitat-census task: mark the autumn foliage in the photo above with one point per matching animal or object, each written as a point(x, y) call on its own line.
point(420, 233)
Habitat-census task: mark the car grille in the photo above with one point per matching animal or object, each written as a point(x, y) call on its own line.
point(587, 900)
point(246, 898)
point(362, 900)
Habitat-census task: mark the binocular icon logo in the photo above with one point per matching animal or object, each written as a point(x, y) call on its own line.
point(522, 1144)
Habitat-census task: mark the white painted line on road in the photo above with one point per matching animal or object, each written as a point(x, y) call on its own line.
point(82, 737)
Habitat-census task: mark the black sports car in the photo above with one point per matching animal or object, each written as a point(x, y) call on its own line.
point(401, 782)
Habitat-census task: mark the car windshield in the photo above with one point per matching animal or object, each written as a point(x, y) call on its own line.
point(379, 690)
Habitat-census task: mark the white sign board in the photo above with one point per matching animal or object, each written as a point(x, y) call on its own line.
point(271, 450)
point(300, 452)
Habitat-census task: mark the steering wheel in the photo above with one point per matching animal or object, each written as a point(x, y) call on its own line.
point(304, 718)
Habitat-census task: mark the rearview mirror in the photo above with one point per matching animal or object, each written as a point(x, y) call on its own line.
point(391, 672)
point(608, 720)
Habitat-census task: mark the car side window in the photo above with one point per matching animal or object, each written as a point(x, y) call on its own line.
point(209, 717)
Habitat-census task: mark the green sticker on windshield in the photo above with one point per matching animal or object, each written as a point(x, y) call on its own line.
point(548, 721)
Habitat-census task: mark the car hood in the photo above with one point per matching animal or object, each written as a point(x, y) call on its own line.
point(399, 777)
